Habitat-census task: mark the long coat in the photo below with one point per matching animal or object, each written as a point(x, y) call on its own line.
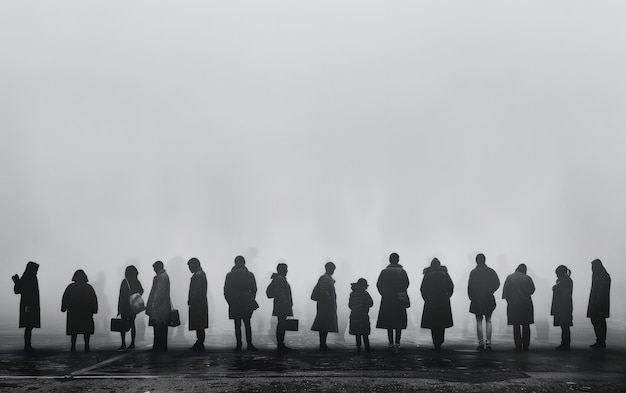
point(360, 303)
point(198, 305)
point(518, 287)
point(127, 288)
point(240, 293)
point(280, 290)
point(436, 289)
point(80, 303)
point(483, 282)
point(326, 317)
point(159, 302)
point(392, 281)
point(562, 306)
point(599, 297)
point(30, 312)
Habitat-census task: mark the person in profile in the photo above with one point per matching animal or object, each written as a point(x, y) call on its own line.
point(80, 303)
point(158, 307)
point(483, 282)
point(360, 303)
point(562, 306)
point(280, 290)
point(599, 302)
point(198, 305)
point(517, 291)
point(27, 287)
point(324, 294)
point(240, 294)
point(392, 285)
point(436, 289)
point(129, 286)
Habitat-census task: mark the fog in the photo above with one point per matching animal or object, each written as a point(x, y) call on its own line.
point(306, 132)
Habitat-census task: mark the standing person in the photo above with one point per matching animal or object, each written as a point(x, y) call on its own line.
point(240, 293)
point(436, 289)
point(562, 306)
point(360, 303)
point(80, 303)
point(130, 285)
point(392, 285)
point(599, 302)
point(159, 306)
point(280, 290)
point(326, 318)
point(483, 282)
point(518, 287)
point(197, 302)
point(30, 313)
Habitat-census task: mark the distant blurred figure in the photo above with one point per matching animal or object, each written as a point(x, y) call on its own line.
point(562, 306)
point(198, 304)
point(280, 290)
point(360, 303)
point(130, 285)
point(392, 285)
point(324, 294)
point(518, 287)
point(483, 282)
point(599, 302)
point(30, 314)
point(240, 293)
point(81, 303)
point(436, 289)
point(159, 306)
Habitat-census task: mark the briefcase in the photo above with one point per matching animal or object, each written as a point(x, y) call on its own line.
point(120, 325)
point(173, 318)
point(291, 325)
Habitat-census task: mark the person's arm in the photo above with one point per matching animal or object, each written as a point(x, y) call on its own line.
point(253, 287)
point(17, 288)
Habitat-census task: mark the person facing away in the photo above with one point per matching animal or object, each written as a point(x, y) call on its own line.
point(197, 302)
point(599, 302)
point(27, 287)
point(562, 306)
point(129, 286)
point(280, 290)
point(80, 303)
point(240, 293)
point(436, 289)
point(360, 303)
point(483, 282)
point(517, 291)
point(326, 318)
point(158, 307)
point(392, 285)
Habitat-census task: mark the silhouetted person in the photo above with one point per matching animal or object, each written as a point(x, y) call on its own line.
point(130, 285)
point(159, 306)
point(280, 290)
point(198, 305)
point(518, 287)
point(326, 318)
point(483, 282)
point(240, 293)
point(360, 303)
point(30, 313)
point(562, 306)
point(599, 302)
point(392, 285)
point(436, 289)
point(80, 303)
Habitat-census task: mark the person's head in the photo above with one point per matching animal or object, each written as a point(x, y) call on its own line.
point(80, 276)
point(562, 270)
point(31, 268)
point(157, 266)
point(330, 268)
point(360, 284)
point(596, 265)
point(394, 258)
point(131, 272)
point(281, 269)
point(435, 263)
point(194, 265)
point(240, 261)
point(480, 259)
point(521, 268)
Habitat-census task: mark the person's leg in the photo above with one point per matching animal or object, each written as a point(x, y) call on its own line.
point(248, 327)
point(479, 332)
point(200, 337)
point(433, 336)
point(73, 341)
point(517, 337)
point(489, 330)
point(358, 342)
point(398, 337)
point(238, 334)
point(366, 341)
point(133, 334)
point(123, 335)
point(323, 346)
point(28, 335)
point(525, 337)
point(87, 337)
point(603, 329)
point(280, 334)
point(390, 337)
point(565, 338)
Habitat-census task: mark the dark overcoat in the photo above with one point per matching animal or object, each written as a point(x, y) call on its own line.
point(159, 303)
point(599, 297)
point(127, 288)
point(562, 306)
point(436, 289)
point(80, 303)
point(360, 303)
point(240, 293)
point(280, 290)
point(28, 289)
point(483, 282)
point(392, 281)
point(518, 287)
point(326, 317)
point(198, 305)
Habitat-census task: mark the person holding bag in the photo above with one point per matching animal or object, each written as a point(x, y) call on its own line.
point(159, 307)
point(127, 303)
point(240, 293)
point(280, 290)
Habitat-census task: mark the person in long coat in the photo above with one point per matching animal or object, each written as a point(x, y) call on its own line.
point(483, 283)
point(562, 306)
point(30, 313)
point(80, 303)
point(599, 302)
point(436, 289)
point(360, 303)
point(159, 306)
point(129, 286)
point(517, 291)
point(326, 318)
point(198, 305)
point(392, 285)
point(240, 293)
point(280, 290)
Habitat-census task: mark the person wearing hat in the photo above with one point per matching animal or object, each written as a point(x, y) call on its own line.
point(80, 303)
point(436, 290)
point(360, 303)
point(518, 287)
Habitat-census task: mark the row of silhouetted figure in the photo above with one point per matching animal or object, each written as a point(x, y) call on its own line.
point(80, 303)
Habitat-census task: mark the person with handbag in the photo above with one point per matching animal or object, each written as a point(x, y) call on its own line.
point(80, 303)
point(129, 289)
point(159, 307)
point(280, 290)
point(436, 290)
point(240, 293)
point(198, 305)
point(324, 294)
point(392, 285)
point(27, 287)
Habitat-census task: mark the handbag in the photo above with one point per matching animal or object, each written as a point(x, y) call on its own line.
point(291, 325)
point(173, 317)
point(404, 300)
point(136, 302)
point(120, 325)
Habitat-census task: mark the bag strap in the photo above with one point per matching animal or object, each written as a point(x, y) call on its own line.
point(127, 283)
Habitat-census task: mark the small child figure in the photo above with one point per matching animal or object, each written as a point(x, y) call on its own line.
point(360, 303)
